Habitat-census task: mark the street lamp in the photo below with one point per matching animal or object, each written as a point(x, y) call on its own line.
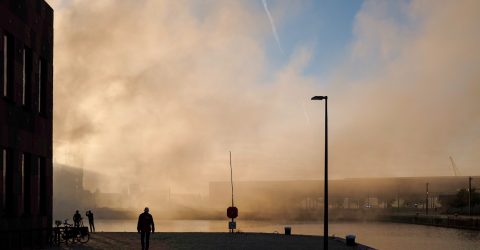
point(325, 206)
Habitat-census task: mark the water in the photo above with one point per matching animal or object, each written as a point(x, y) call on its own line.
point(378, 235)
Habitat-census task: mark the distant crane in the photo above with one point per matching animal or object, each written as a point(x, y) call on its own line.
point(454, 167)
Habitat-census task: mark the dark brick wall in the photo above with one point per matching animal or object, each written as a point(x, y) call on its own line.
point(26, 120)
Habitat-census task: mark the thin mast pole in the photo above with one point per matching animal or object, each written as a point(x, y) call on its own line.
point(231, 175)
point(426, 201)
point(470, 196)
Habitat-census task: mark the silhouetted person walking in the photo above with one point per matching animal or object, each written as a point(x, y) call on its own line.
point(89, 214)
point(144, 226)
point(77, 218)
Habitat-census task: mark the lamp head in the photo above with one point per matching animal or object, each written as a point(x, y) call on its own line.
point(319, 98)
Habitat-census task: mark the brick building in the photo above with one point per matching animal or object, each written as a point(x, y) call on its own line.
point(26, 97)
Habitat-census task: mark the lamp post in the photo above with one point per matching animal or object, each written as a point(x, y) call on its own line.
point(426, 201)
point(325, 206)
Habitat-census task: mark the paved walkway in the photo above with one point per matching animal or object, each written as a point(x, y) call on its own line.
point(180, 241)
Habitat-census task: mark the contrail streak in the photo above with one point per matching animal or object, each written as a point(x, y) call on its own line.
point(307, 117)
point(272, 23)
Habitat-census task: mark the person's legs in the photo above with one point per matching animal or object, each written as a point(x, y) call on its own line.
point(142, 239)
point(93, 225)
point(147, 240)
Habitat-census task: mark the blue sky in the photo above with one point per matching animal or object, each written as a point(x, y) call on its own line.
point(325, 26)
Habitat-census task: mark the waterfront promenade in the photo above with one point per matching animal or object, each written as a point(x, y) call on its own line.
point(177, 241)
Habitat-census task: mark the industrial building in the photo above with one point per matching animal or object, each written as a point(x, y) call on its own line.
point(26, 100)
point(274, 198)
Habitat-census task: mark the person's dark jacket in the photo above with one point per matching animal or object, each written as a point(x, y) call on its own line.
point(90, 216)
point(145, 223)
point(77, 217)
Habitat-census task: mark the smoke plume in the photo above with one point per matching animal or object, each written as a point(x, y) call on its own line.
point(156, 93)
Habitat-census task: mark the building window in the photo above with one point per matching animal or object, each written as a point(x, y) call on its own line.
point(7, 66)
point(40, 83)
point(4, 66)
point(37, 171)
point(4, 178)
point(26, 183)
point(6, 157)
point(22, 172)
point(22, 177)
point(42, 191)
point(26, 77)
point(42, 86)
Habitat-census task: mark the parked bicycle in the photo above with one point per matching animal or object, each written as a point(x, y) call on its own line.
point(69, 234)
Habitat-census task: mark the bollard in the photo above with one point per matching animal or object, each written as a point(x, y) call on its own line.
point(350, 240)
point(288, 230)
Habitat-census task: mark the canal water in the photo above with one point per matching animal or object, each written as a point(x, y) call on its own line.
point(378, 235)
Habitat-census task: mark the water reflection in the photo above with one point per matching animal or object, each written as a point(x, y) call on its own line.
point(379, 235)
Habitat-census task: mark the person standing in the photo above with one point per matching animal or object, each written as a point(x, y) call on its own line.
point(89, 214)
point(77, 218)
point(144, 226)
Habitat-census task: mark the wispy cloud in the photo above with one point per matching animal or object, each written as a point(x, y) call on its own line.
point(307, 117)
point(272, 23)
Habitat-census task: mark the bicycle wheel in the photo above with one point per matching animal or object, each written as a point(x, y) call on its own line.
point(69, 235)
point(59, 237)
point(70, 240)
point(84, 238)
